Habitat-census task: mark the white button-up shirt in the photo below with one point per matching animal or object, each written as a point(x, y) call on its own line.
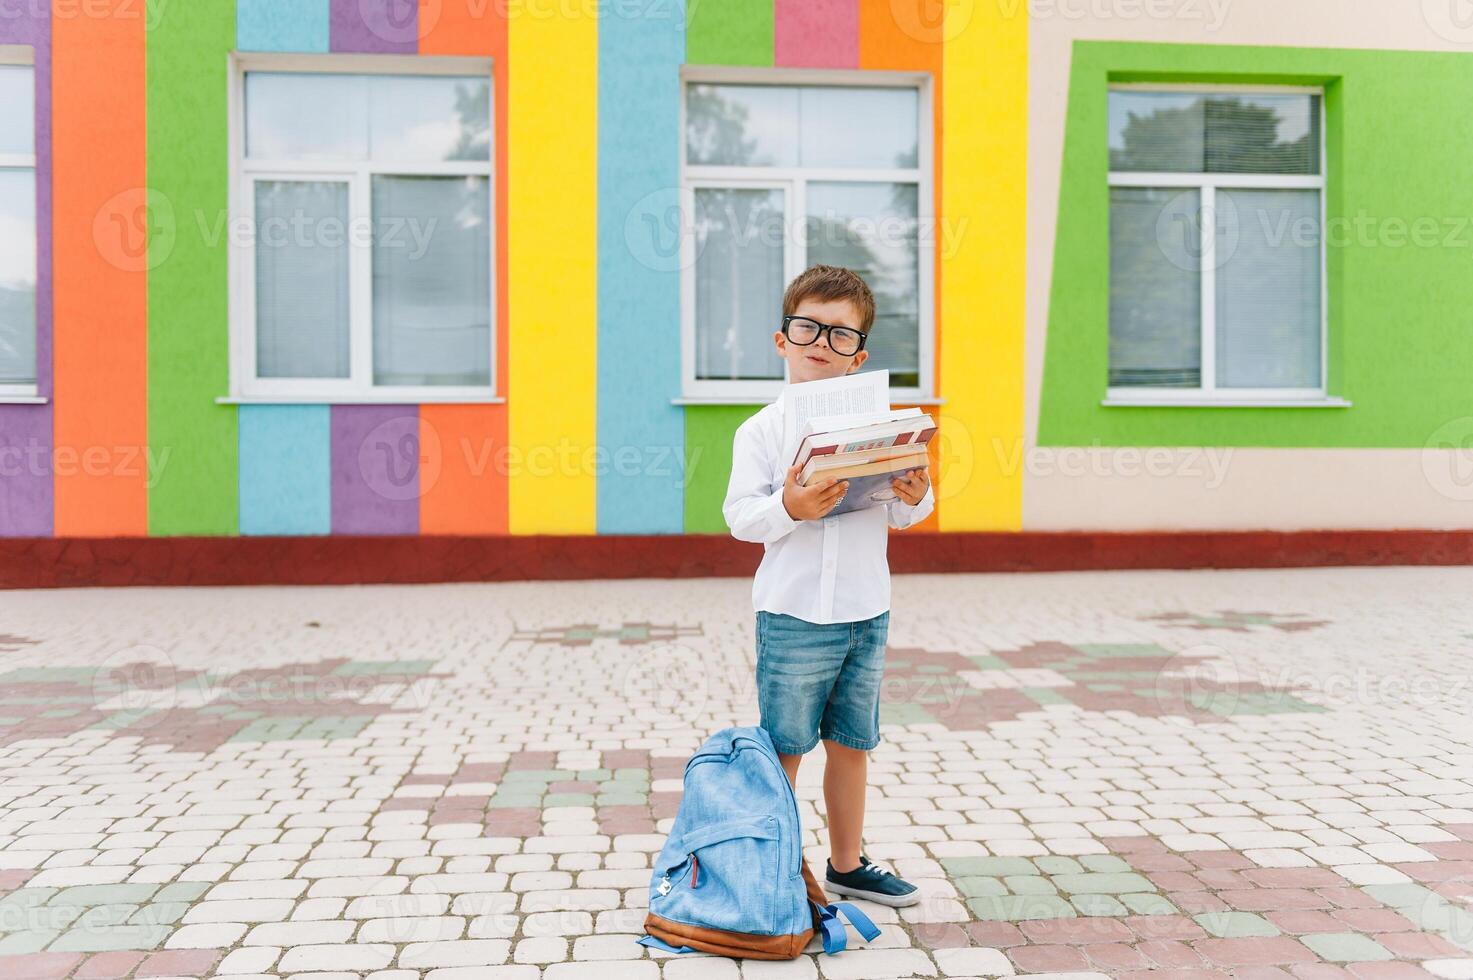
point(829, 570)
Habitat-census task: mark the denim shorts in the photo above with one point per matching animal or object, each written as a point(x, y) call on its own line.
point(820, 680)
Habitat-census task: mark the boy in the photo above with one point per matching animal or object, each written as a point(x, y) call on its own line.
point(822, 592)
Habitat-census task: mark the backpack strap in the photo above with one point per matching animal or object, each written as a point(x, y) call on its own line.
point(658, 943)
point(835, 939)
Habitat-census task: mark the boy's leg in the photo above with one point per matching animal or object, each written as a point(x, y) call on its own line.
point(845, 775)
point(790, 766)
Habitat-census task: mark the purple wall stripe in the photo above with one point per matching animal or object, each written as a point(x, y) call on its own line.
point(375, 26)
point(375, 469)
point(27, 490)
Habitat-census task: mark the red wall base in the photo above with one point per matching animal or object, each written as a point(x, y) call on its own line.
point(37, 563)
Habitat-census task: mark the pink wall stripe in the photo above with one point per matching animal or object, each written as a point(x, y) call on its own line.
point(27, 493)
point(815, 33)
point(375, 26)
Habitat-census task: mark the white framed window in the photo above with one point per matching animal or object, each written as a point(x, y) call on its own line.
point(1217, 261)
point(364, 265)
point(783, 169)
point(18, 268)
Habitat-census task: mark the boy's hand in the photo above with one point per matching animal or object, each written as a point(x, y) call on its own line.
point(911, 487)
point(811, 502)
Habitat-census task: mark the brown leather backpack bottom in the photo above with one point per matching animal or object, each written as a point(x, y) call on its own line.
point(740, 944)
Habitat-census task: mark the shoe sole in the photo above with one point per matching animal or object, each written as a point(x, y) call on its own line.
point(894, 901)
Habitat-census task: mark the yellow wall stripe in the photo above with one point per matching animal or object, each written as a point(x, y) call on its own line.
point(983, 281)
point(552, 136)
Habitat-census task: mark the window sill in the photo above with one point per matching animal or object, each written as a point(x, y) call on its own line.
point(747, 400)
point(23, 399)
point(1326, 402)
point(355, 400)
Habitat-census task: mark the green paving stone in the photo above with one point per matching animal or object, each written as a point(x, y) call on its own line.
point(1102, 884)
point(1149, 903)
point(99, 940)
point(1107, 863)
point(29, 941)
point(932, 669)
point(980, 887)
point(1097, 905)
point(1233, 925)
point(1044, 695)
point(1402, 896)
point(182, 891)
point(905, 713)
point(1030, 885)
point(103, 894)
point(24, 898)
point(508, 801)
point(567, 799)
point(1015, 908)
point(48, 675)
point(1345, 947)
point(105, 915)
point(6, 721)
point(622, 799)
point(59, 713)
point(994, 867)
point(630, 773)
point(1055, 865)
point(597, 775)
point(159, 913)
point(987, 661)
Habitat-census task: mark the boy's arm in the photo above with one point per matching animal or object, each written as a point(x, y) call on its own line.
point(754, 508)
point(903, 515)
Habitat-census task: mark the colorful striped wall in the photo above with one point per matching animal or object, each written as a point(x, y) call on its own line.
point(588, 358)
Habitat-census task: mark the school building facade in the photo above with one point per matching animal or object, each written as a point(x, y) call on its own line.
point(474, 287)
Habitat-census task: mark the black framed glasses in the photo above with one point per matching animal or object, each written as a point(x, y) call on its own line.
point(802, 330)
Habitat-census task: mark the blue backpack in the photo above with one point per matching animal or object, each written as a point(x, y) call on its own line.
point(731, 878)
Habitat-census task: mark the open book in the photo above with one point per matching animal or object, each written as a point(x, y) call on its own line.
point(869, 448)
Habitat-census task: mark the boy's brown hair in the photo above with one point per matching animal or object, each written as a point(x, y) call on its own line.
point(828, 283)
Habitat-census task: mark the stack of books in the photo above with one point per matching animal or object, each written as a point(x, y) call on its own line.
point(868, 450)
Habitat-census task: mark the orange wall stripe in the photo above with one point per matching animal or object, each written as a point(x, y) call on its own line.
point(101, 280)
point(465, 445)
point(906, 35)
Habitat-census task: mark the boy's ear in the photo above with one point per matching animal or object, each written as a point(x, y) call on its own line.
point(859, 359)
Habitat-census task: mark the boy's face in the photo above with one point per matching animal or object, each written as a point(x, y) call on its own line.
point(818, 360)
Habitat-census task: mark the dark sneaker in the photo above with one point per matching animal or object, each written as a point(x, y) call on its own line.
point(871, 882)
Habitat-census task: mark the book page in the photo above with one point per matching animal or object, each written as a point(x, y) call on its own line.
point(848, 394)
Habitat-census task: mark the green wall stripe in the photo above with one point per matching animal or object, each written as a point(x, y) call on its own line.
point(1397, 311)
point(708, 433)
point(188, 343)
point(729, 32)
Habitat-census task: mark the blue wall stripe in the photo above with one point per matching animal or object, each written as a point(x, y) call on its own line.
point(281, 25)
point(285, 483)
point(642, 435)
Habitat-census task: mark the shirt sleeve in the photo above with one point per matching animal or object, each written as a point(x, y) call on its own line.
point(754, 507)
point(903, 515)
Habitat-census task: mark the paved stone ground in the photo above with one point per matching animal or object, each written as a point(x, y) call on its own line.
point(1256, 774)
